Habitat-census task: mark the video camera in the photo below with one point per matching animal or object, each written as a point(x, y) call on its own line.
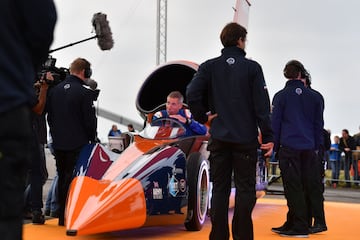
point(59, 74)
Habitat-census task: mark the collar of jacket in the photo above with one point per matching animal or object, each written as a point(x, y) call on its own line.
point(294, 82)
point(73, 78)
point(233, 50)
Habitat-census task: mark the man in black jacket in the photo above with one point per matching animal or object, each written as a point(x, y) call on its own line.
point(72, 121)
point(38, 173)
point(315, 206)
point(347, 145)
point(297, 120)
point(233, 89)
point(26, 34)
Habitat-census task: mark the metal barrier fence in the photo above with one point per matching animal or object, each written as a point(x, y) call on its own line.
point(273, 176)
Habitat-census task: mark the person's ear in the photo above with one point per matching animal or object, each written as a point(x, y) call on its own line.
point(241, 43)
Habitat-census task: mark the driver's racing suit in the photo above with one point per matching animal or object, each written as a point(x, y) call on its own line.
point(192, 127)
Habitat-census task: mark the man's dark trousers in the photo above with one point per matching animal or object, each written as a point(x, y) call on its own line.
point(15, 148)
point(227, 159)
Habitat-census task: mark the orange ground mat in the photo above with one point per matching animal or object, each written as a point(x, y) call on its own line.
point(342, 221)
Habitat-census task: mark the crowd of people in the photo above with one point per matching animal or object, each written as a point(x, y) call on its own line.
point(344, 155)
point(228, 93)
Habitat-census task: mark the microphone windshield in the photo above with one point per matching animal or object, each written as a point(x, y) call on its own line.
point(103, 32)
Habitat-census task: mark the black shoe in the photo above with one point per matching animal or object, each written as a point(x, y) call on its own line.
point(47, 212)
point(283, 228)
point(38, 217)
point(317, 228)
point(28, 215)
point(61, 222)
point(54, 214)
point(291, 233)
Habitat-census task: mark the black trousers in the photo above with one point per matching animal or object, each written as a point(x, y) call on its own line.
point(37, 177)
point(15, 148)
point(227, 159)
point(65, 164)
point(317, 215)
point(300, 171)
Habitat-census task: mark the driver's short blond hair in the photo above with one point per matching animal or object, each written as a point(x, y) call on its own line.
point(176, 94)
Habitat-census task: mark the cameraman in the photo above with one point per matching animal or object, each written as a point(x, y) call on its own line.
point(72, 121)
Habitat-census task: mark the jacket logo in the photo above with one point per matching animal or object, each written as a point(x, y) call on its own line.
point(298, 91)
point(230, 61)
point(66, 86)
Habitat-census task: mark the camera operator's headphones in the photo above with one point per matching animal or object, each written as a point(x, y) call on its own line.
point(87, 69)
point(87, 72)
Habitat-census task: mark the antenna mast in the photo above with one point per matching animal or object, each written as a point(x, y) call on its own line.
point(161, 37)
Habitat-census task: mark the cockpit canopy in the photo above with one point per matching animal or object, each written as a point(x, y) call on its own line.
point(172, 76)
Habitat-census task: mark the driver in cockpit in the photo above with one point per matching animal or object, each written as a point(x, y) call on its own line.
point(174, 109)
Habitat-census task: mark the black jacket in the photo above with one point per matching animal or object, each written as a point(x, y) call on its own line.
point(71, 114)
point(347, 143)
point(26, 33)
point(233, 87)
point(297, 117)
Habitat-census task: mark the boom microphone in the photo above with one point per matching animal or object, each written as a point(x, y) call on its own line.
point(103, 34)
point(102, 30)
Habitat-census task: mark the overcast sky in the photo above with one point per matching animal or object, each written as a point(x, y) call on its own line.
point(323, 34)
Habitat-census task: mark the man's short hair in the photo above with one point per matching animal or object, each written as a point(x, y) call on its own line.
point(231, 34)
point(79, 64)
point(293, 68)
point(176, 94)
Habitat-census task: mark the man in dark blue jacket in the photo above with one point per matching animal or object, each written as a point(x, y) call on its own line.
point(26, 31)
point(232, 89)
point(72, 121)
point(297, 120)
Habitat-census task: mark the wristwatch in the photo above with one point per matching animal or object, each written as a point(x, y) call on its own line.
point(188, 121)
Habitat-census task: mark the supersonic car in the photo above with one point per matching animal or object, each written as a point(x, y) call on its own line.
point(159, 178)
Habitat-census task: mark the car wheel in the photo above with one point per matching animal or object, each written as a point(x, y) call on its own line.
point(198, 191)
